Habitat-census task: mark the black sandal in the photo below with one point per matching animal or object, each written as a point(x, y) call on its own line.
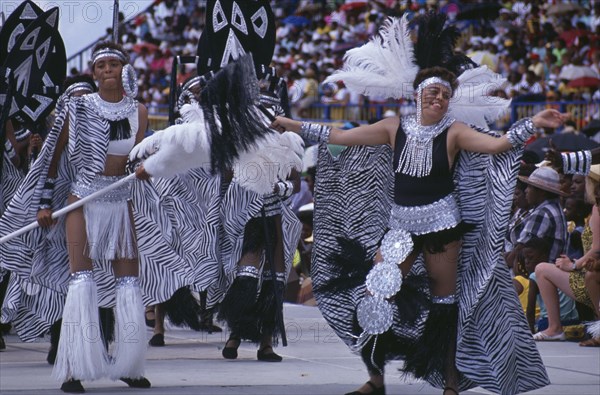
point(72, 387)
point(261, 355)
point(231, 352)
point(375, 390)
point(150, 321)
point(142, 382)
point(158, 340)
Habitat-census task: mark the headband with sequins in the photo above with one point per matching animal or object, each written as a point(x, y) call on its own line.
point(79, 86)
point(108, 53)
point(433, 80)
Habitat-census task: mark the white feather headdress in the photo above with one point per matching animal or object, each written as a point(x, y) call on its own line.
point(472, 103)
point(384, 67)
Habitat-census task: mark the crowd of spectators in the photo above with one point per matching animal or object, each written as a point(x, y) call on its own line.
point(541, 47)
point(552, 247)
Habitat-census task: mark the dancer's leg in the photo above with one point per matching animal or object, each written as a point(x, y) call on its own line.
point(442, 270)
point(81, 354)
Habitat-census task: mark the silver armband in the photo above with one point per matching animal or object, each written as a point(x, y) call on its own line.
point(315, 132)
point(10, 151)
point(578, 162)
point(520, 132)
point(47, 193)
point(285, 188)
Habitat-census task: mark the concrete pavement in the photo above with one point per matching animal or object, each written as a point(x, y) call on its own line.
point(315, 362)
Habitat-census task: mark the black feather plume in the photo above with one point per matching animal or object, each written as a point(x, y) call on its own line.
point(229, 104)
point(350, 263)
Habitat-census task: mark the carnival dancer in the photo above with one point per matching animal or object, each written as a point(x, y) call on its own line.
point(242, 245)
point(261, 248)
point(431, 220)
point(103, 229)
point(197, 194)
point(81, 155)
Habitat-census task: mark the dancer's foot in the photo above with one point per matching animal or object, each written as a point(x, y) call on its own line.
point(72, 387)
point(2, 343)
point(149, 317)
point(266, 354)
point(51, 357)
point(368, 388)
point(136, 383)
point(158, 340)
point(231, 347)
point(450, 391)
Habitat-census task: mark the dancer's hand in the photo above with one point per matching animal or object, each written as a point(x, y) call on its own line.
point(554, 157)
point(44, 218)
point(549, 118)
point(141, 173)
point(146, 147)
point(282, 124)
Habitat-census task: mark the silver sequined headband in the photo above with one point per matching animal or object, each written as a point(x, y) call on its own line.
point(108, 53)
point(78, 86)
point(433, 80)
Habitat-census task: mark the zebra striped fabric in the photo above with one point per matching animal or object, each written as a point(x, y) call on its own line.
point(495, 349)
point(169, 258)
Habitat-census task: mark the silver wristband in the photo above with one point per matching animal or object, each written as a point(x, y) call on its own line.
point(285, 188)
point(578, 162)
point(520, 132)
point(10, 151)
point(315, 132)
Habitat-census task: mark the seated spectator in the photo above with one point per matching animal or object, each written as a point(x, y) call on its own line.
point(577, 213)
point(535, 251)
point(569, 275)
point(547, 219)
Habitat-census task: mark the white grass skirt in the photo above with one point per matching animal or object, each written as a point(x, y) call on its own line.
point(110, 233)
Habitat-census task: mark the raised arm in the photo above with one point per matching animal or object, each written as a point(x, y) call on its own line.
point(379, 133)
point(468, 139)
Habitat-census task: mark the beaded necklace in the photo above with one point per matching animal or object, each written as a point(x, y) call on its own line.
point(416, 157)
point(112, 111)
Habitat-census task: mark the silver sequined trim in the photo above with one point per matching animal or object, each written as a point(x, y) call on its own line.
point(375, 315)
point(248, 271)
point(127, 281)
point(396, 245)
point(81, 276)
point(82, 188)
point(109, 110)
point(416, 158)
point(418, 220)
point(384, 280)
point(520, 132)
point(450, 299)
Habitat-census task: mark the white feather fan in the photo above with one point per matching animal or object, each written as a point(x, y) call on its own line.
point(472, 103)
point(273, 160)
point(384, 67)
point(177, 148)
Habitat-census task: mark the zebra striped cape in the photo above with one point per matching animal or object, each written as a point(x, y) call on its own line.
point(495, 349)
point(25, 305)
point(238, 206)
point(168, 258)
